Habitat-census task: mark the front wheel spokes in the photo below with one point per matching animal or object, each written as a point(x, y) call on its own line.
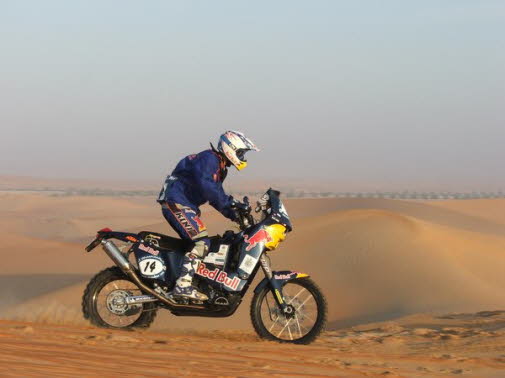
point(293, 298)
point(302, 322)
point(308, 318)
point(274, 323)
point(301, 305)
point(290, 334)
point(298, 324)
point(283, 328)
point(302, 314)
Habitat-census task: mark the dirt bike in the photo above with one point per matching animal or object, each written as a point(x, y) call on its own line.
point(287, 306)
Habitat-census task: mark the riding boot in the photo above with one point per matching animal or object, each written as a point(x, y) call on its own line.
point(183, 287)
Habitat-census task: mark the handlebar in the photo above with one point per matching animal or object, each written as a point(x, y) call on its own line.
point(244, 217)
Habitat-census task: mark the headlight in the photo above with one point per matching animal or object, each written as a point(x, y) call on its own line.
point(276, 233)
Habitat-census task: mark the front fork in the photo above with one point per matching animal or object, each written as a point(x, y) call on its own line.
point(275, 286)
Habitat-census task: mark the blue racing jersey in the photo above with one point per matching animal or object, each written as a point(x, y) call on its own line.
point(198, 179)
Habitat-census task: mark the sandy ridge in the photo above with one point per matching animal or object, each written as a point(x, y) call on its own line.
point(469, 344)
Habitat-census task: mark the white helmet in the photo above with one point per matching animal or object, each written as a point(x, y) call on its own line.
point(234, 145)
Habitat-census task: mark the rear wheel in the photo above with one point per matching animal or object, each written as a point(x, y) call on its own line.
point(104, 302)
point(303, 325)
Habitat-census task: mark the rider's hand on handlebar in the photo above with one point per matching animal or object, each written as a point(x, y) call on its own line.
point(243, 213)
point(242, 207)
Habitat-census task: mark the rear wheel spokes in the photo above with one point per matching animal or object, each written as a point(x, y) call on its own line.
point(112, 307)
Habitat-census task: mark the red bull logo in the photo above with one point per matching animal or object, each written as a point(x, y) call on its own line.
point(259, 237)
point(218, 275)
point(148, 249)
point(284, 276)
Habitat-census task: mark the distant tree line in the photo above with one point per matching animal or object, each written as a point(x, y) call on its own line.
point(290, 193)
point(386, 195)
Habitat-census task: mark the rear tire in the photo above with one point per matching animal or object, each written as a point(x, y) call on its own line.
point(141, 316)
point(258, 317)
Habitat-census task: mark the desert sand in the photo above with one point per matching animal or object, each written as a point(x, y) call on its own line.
point(415, 346)
point(408, 285)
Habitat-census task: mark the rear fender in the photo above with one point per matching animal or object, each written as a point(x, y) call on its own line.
point(279, 278)
point(107, 233)
point(124, 236)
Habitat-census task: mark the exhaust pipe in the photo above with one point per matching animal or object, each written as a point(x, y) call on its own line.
point(116, 255)
point(120, 260)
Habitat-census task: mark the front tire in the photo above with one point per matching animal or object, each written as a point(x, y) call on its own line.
point(102, 302)
point(304, 326)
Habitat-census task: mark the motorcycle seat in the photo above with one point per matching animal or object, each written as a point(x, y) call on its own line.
point(175, 244)
point(165, 241)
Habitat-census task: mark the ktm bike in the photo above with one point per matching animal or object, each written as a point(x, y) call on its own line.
point(287, 306)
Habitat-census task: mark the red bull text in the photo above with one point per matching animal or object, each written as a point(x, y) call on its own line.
point(218, 275)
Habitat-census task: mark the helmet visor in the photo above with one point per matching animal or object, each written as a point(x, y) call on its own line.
point(241, 154)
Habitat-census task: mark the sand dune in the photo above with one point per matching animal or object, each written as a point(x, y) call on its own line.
point(475, 217)
point(375, 264)
point(21, 288)
point(70, 218)
point(488, 209)
point(27, 255)
point(375, 259)
point(60, 306)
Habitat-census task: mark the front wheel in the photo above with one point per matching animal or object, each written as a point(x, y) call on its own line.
point(104, 302)
point(303, 325)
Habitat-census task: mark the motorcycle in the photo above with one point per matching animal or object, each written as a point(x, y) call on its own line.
point(287, 306)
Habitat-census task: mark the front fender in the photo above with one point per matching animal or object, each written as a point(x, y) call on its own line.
point(278, 279)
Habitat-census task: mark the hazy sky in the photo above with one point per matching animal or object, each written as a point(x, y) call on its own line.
point(410, 93)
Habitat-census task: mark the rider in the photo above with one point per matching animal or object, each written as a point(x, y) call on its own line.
point(198, 179)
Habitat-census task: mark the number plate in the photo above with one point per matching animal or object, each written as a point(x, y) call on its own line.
point(152, 266)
